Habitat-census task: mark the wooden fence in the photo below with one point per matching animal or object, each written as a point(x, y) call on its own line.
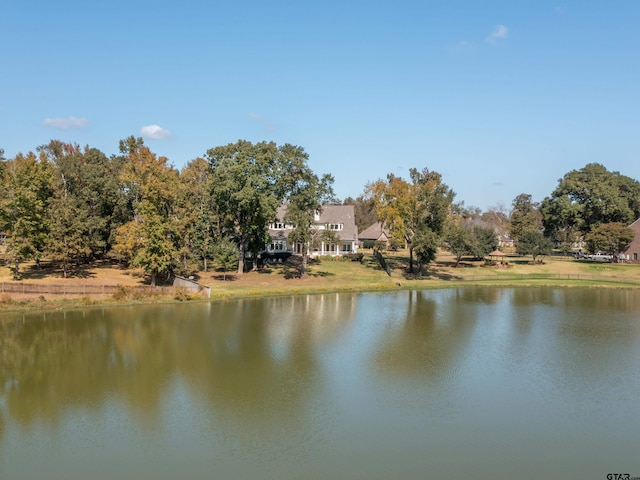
point(61, 289)
point(382, 261)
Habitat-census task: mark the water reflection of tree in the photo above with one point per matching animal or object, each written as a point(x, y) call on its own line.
point(430, 339)
point(243, 359)
point(598, 336)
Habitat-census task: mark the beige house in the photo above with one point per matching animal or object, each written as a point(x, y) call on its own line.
point(339, 219)
point(632, 252)
point(375, 233)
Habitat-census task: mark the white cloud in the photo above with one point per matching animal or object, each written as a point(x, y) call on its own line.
point(461, 46)
point(268, 125)
point(155, 132)
point(499, 33)
point(65, 123)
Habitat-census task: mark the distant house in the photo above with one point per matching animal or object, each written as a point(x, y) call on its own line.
point(502, 234)
point(375, 233)
point(338, 218)
point(632, 252)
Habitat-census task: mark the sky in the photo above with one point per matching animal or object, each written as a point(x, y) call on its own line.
point(499, 97)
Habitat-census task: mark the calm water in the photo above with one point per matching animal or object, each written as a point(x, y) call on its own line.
point(474, 383)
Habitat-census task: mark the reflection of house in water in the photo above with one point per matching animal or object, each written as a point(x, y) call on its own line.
point(429, 339)
point(311, 318)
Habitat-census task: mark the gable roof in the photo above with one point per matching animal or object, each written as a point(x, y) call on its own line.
point(374, 232)
point(342, 214)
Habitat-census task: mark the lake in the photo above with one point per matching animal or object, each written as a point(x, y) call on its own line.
point(475, 382)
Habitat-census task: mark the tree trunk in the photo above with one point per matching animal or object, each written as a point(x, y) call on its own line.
point(410, 258)
point(303, 268)
point(241, 249)
point(16, 272)
point(205, 264)
point(153, 279)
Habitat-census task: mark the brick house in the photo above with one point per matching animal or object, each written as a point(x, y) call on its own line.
point(632, 252)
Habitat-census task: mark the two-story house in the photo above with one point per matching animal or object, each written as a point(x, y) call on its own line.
point(340, 219)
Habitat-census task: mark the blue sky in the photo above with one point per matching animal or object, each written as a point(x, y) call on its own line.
point(500, 97)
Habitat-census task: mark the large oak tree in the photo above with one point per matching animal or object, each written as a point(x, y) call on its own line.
point(589, 197)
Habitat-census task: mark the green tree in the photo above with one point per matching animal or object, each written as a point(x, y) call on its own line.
point(156, 252)
point(225, 255)
point(525, 216)
point(474, 240)
point(305, 194)
point(27, 188)
point(198, 224)
point(426, 243)
point(485, 242)
point(416, 208)
point(66, 240)
point(610, 238)
point(459, 240)
point(87, 203)
point(534, 243)
point(589, 197)
point(246, 190)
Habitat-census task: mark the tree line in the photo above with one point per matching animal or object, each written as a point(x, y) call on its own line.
point(72, 205)
point(591, 207)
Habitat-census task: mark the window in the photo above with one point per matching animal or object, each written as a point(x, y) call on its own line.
point(346, 247)
point(277, 246)
point(635, 256)
point(277, 226)
point(334, 226)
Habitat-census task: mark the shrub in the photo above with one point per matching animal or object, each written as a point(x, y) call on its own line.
point(355, 257)
point(86, 300)
point(182, 294)
point(121, 293)
point(283, 256)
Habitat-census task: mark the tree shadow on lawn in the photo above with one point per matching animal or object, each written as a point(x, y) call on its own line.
point(291, 270)
point(432, 275)
point(50, 270)
point(229, 277)
point(320, 274)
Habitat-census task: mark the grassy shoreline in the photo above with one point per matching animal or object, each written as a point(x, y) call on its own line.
point(331, 276)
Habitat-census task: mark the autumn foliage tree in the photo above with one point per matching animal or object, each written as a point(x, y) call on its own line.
point(150, 238)
point(415, 210)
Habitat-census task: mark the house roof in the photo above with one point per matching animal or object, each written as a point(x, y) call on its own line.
point(634, 246)
point(342, 214)
point(374, 232)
